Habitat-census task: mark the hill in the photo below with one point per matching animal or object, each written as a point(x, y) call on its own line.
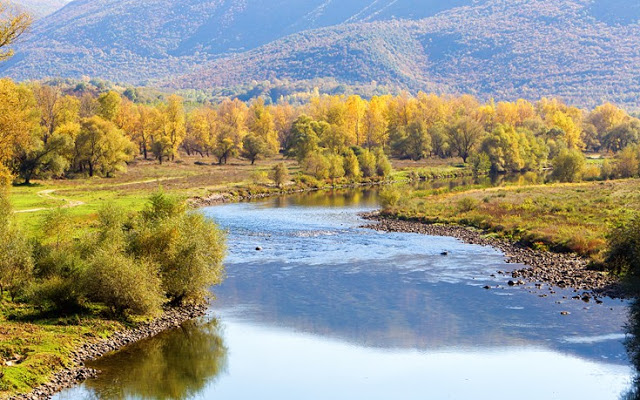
point(40, 8)
point(582, 50)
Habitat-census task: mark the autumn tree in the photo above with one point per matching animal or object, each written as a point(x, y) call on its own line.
point(12, 26)
point(464, 135)
point(103, 147)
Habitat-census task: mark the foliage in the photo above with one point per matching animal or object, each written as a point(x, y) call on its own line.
point(280, 174)
point(568, 166)
point(623, 254)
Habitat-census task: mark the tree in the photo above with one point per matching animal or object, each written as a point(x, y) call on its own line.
point(174, 126)
point(187, 247)
point(418, 140)
point(336, 166)
point(569, 165)
point(18, 122)
point(12, 26)
point(109, 105)
point(280, 174)
point(254, 147)
point(305, 137)
point(464, 134)
point(102, 146)
point(41, 160)
point(261, 124)
point(627, 163)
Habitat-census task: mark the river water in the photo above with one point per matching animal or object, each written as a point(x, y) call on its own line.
point(329, 310)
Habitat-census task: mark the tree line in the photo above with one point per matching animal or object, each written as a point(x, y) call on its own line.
point(46, 132)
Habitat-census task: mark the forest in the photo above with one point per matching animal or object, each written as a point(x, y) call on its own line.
point(52, 132)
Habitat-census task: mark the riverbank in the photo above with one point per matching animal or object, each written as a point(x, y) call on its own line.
point(77, 372)
point(542, 267)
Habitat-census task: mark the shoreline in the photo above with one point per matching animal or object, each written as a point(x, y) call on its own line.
point(79, 372)
point(564, 271)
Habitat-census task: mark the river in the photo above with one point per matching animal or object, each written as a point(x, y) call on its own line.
point(329, 310)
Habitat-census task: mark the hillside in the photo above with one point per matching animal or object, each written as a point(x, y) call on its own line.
point(582, 50)
point(40, 8)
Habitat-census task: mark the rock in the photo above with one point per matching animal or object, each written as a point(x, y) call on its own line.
point(511, 283)
point(444, 253)
point(258, 248)
point(487, 287)
point(565, 313)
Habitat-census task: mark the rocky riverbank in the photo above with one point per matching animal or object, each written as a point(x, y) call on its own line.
point(77, 373)
point(552, 269)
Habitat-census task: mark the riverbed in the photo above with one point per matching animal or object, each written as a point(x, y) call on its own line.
point(327, 309)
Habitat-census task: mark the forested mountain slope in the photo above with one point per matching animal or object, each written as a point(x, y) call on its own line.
point(583, 50)
point(40, 8)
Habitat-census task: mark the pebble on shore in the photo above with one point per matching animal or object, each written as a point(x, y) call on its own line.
point(552, 269)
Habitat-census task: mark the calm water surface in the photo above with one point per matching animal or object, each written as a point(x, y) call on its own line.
point(329, 310)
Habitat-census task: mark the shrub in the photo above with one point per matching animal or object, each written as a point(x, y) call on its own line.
point(467, 204)
point(389, 197)
point(336, 166)
point(58, 293)
point(351, 166)
point(568, 166)
point(317, 165)
point(367, 162)
point(280, 174)
point(124, 284)
point(623, 254)
point(383, 166)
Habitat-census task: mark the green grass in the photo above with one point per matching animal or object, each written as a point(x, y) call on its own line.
point(562, 217)
point(36, 346)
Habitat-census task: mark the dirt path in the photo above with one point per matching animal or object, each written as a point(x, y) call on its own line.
point(48, 194)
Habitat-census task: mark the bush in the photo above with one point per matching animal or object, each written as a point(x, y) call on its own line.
point(351, 166)
point(569, 166)
point(367, 162)
point(187, 247)
point(280, 175)
point(383, 166)
point(317, 165)
point(467, 204)
point(336, 166)
point(623, 255)
point(124, 284)
point(389, 197)
point(58, 293)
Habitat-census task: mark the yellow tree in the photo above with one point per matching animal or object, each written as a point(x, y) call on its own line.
point(202, 129)
point(375, 123)
point(174, 127)
point(18, 120)
point(606, 117)
point(12, 26)
point(260, 123)
point(354, 117)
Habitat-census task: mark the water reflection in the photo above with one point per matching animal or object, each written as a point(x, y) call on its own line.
point(633, 349)
point(176, 364)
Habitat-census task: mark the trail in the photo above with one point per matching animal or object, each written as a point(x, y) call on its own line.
point(48, 194)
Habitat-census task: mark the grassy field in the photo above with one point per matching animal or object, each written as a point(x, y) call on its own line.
point(83, 197)
point(563, 217)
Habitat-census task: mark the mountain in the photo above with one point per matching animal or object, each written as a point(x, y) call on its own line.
point(40, 8)
point(583, 50)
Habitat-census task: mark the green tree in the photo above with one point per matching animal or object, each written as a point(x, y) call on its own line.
point(418, 140)
point(317, 165)
point(568, 166)
point(254, 147)
point(464, 135)
point(336, 166)
point(305, 137)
